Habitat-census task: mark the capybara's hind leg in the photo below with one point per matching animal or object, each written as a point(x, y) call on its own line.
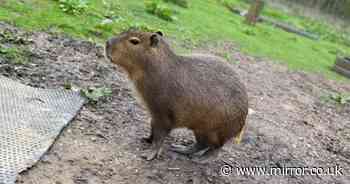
point(187, 150)
point(201, 145)
point(211, 151)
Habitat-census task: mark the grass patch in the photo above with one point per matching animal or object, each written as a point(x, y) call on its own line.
point(7, 36)
point(158, 8)
point(337, 98)
point(73, 7)
point(204, 20)
point(14, 55)
point(96, 94)
point(182, 3)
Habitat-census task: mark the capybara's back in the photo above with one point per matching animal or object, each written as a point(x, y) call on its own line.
point(199, 92)
point(208, 98)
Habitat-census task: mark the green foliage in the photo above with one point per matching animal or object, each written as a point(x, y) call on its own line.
point(14, 55)
point(234, 4)
point(74, 7)
point(205, 21)
point(156, 7)
point(269, 12)
point(182, 3)
point(142, 27)
point(326, 32)
point(108, 26)
point(249, 31)
point(347, 8)
point(11, 53)
point(339, 98)
point(7, 36)
point(112, 8)
point(67, 85)
point(227, 56)
point(111, 15)
point(96, 94)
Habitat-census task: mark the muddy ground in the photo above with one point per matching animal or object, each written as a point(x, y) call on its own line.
point(290, 125)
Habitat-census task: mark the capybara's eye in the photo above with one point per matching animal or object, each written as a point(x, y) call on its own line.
point(135, 40)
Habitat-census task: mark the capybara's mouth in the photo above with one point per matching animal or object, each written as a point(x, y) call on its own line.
point(107, 56)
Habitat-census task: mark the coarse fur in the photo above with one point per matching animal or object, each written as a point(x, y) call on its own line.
point(199, 92)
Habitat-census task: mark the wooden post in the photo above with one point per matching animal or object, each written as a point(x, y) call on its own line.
point(342, 66)
point(254, 12)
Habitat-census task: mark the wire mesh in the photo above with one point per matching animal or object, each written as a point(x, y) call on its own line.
point(30, 121)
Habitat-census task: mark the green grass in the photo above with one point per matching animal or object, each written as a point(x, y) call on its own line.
point(14, 55)
point(338, 98)
point(93, 95)
point(202, 21)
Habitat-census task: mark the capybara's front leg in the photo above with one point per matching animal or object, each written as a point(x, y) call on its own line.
point(160, 129)
point(149, 139)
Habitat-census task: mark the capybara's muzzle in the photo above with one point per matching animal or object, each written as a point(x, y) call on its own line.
point(108, 48)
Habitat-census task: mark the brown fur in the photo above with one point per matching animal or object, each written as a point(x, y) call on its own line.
point(198, 92)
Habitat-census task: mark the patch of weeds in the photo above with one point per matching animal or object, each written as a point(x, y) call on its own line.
point(7, 36)
point(124, 25)
point(237, 62)
point(142, 27)
point(113, 19)
point(112, 9)
point(14, 55)
point(74, 7)
point(234, 5)
point(227, 56)
point(156, 7)
point(182, 3)
point(96, 94)
point(326, 32)
point(275, 14)
point(249, 32)
point(338, 98)
point(334, 52)
point(295, 39)
point(67, 85)
point(108, 25)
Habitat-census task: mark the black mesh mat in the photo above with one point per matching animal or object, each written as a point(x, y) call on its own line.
point(30, 121)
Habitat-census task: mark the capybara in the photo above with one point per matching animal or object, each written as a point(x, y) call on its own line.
point(199, 92)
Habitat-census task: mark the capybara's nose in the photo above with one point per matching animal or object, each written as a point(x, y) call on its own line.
point(109, 42)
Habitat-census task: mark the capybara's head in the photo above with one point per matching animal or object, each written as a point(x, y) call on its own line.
point(130, 49)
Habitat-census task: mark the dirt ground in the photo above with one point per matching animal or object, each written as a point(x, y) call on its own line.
point(290, 126)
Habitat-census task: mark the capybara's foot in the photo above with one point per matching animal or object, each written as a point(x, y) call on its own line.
point(187, 150)
point(206, 155)
point(152, 154)
point(201, 153)
point(155, 150)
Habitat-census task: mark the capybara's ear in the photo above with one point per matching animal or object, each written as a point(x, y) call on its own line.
point(154, 40)
point(160, 33)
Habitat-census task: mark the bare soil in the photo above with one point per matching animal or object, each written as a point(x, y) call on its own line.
point(289, 125)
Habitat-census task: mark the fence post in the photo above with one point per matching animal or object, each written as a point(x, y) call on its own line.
point(254, 12)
